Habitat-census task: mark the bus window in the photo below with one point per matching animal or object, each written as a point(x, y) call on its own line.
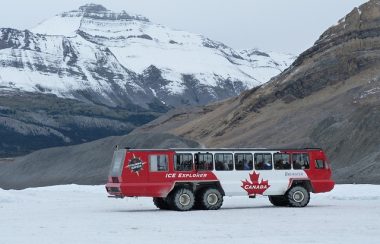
point(243, 161)
point(183, 162)
point(319, 164)
point(204, 161)
point(300, 161)
point(281, 161)
point(158, 163)
point(223, 161)
point(263, 161)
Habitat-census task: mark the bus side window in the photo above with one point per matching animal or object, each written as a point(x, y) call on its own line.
point(158, 163)
point(243, 161)
point(319, 164)
point(263, 161)
point(300, 161)
point(281, 161)
point(223, 162)
point(204, 161)
point(183, 162)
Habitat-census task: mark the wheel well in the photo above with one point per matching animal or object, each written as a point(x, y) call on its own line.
point(304, 183)
point(199, 186)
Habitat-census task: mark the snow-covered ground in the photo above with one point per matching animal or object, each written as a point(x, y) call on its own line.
point(84, 214)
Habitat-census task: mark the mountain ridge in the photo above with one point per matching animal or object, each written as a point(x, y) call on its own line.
point(113, 30)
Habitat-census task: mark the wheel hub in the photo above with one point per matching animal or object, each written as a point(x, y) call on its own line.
point(298, 196)
point(184, 199)
point(212, 199)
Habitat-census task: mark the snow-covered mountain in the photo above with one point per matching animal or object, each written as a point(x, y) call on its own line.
point(117, 59)
point(91, 73)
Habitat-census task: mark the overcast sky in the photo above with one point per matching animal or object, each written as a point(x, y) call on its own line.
point(289, 26)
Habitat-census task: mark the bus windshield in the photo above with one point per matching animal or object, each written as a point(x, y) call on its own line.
point(117, 162)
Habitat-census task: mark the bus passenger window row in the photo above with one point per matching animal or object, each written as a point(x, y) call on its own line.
point(242, 161)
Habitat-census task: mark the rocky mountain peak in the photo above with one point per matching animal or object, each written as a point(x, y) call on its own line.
point(362, 18)
point(97, 11)
point(91, 7)
point(254, 52)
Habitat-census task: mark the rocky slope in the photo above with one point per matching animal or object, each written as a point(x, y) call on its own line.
point(329, 97)
point(126, 69)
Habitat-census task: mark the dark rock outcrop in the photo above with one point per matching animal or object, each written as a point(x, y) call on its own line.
point(30, 121)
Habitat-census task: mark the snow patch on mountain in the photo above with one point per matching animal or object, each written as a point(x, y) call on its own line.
point(59, 25)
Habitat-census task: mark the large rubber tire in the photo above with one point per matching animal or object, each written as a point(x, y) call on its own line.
point(298, 197)
point(181, 199)
point(209, 199)
point(161, 203)
point(279, 201)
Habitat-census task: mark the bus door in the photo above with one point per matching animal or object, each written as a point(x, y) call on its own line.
point(320, 166)
point(135, 172)
point(160, 173)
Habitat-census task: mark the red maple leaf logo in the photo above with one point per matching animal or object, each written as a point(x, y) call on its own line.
point(254, 187)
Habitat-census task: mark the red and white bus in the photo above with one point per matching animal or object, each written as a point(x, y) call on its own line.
point(185, 179)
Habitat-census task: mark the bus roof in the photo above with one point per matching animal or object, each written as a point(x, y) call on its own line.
point(225, 149)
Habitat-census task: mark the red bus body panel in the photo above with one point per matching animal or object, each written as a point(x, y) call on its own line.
point(137, 179)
